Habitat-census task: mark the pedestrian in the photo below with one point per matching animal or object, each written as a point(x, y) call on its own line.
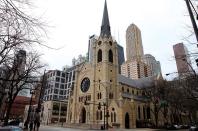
point(31, 121)
point(37, 120)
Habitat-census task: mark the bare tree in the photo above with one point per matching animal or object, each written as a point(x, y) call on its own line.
point(181, 99)
point(18, 30)
point(190, 87)
point(18, 78)
point(157, 94)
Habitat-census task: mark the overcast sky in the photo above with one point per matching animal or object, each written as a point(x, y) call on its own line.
point(162, 24)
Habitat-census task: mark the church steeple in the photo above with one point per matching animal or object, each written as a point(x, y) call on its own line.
point(105, 27)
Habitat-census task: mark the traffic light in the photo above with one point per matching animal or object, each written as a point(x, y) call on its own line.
point(99, 106)
point(196, 60)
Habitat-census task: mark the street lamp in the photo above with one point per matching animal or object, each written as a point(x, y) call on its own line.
point(29, 110)
point(105, 104)
point(99, 107)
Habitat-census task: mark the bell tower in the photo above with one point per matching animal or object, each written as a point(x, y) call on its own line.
point(105, 63)
point(96, 81)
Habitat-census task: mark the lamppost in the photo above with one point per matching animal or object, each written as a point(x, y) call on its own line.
point(99, 107)
point(29, 109)
point(105, 104)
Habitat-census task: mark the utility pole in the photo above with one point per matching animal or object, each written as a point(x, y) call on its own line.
point(188, 2)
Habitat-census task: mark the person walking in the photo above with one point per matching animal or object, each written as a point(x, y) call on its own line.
point(31, 121)
point(37, 120)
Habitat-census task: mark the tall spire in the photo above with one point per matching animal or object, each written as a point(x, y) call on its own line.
point(105, 27)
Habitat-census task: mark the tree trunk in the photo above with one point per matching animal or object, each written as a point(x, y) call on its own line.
point(156, 119)
point(156, 115)
point(189, 116)
point(165, 113)
point(1, 100)
point(8, 112)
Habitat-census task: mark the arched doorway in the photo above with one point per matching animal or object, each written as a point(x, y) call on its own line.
point(83, 115)
point(127, 120)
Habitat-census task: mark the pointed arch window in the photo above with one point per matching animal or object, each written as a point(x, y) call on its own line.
point(98, 96)
point(110, 95)
point(110, 56)
point(138, 112)
point(144, 114)
point(97, 115)
point(111, 116)
point(122, 89)
point(114, 117)
point(100, 115)
point(99, 55)
point(148, 113)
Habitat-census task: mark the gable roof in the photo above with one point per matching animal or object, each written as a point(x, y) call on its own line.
point(139, 83)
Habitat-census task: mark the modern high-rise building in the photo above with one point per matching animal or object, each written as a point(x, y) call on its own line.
point(138, 65)
point(121, 59)
point(134, 48)
point(70, 79)
point(154, 65)
point(20, 61)
point(56, 88)
point(135, 69)
point(182, 59)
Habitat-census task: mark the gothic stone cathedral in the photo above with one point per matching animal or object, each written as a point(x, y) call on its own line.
point(101, 95)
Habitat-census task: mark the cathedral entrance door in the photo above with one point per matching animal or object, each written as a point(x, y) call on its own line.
point(83, 115)
point(127, 120)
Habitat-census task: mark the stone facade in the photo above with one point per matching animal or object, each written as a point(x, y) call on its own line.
point(100, 94)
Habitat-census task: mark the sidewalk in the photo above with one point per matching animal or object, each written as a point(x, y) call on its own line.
point(111, 129)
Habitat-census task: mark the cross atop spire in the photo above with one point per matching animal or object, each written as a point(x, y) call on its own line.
point(105, 27)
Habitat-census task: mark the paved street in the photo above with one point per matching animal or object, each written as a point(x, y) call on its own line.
point(50, 128)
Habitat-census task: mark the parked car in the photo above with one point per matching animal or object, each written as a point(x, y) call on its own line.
point(185, 126)
point(21, 125)
point(10, 128)
point(178, 126)
point(193, 128)
point(171, 127)
point(14, 123)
